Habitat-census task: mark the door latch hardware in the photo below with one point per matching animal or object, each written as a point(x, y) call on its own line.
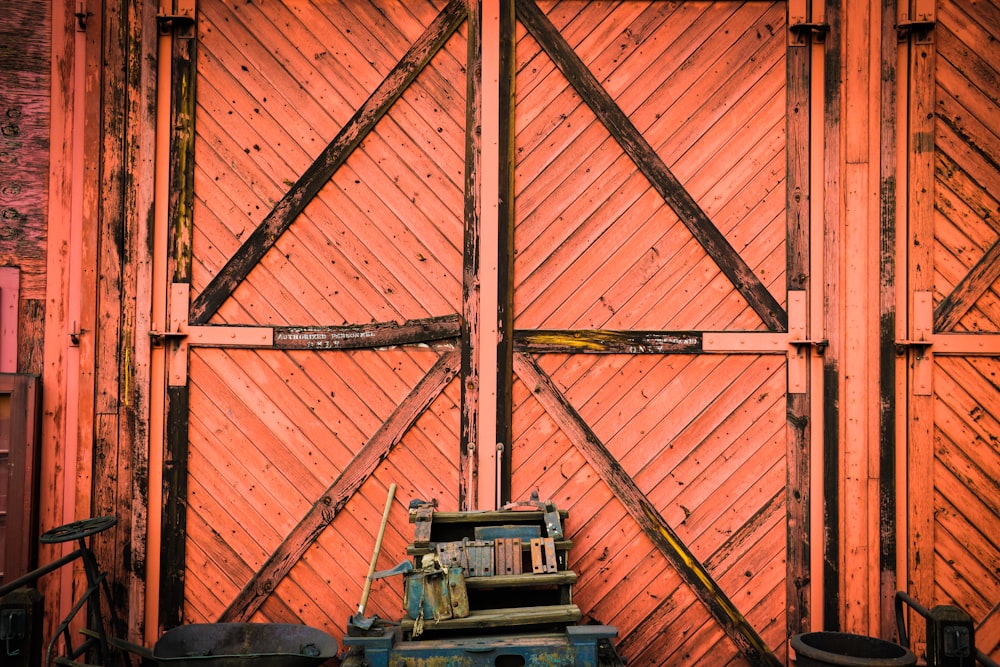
point(166, 22)
point(820, 345)
point(903, 345)
point(159, 338)
point(920, 30)
point(182, 18)
point(810, 28)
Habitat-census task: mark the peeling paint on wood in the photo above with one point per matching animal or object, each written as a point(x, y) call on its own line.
point(325, 510)
point(329, 161)
point(381, 334)
point(24, 141)
point(650, 164)
point(608, 342)
point(649, 519)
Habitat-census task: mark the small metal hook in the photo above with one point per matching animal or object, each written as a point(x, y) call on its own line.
point(81, 16)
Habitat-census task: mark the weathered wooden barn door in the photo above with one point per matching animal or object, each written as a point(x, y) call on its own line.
point(324, 260)
point(317, 243)
point(951, 337)
point(659, 277)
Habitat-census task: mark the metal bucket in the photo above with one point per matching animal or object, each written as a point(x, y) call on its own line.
point(822, 649)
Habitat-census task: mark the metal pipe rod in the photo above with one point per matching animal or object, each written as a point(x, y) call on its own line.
point(37, 574)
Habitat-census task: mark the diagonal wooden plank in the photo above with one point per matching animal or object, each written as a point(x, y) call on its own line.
point(979, 279)
point(652, 166)
point(329, 161)
point(988, 632)
point(643, 512)
point(329, 504)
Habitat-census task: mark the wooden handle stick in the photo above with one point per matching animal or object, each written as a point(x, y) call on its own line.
point(378, 547)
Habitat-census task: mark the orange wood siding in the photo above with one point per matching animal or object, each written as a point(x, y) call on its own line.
point(308, 126)
point(26, 131)
point(670, 173)
point(966, 277)
point(651, 198)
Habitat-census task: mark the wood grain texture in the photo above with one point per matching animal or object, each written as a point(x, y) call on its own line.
point(372, 264)
point(966, 494)
point(25, 122)
point(955, 460)
point(669, 543)
point(967, 169)
point(348, 481)
point(632, 142)
point(327, 204)
point(260, 103)
point(279, 477)
point(611, 290)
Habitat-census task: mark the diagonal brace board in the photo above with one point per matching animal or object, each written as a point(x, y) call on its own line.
point(652, 166)
point(662, 535)
point(330, 503)
point(963, 297)
point(329, 161)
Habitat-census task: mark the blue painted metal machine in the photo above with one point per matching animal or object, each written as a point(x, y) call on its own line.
point(576, 646)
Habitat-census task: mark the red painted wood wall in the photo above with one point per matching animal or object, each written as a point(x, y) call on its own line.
point(744, 271)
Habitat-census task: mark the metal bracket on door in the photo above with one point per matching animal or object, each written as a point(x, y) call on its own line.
point(798, 362)
point(805, 19)
point(187, 336)
point(800, 30)
point(160, 338)
point(799, 342)
point(182, 18)
point(917, 22)
point(920, 342)
point(794, 343)
point(921, 31)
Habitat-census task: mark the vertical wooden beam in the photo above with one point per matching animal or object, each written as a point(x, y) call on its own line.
point(83, 257)
point(138, 281)
point(54, 443)
point(505, 234)
point(10, 278)
point(818, 498)
point(827, 198)
point(873, 293)
point(122, 203)
point(800, 537)
point(807, 454)
point(108, 87)
point(158, 322)
point(170, 613)
point(489, 402)
point(860, 510)
point(900, 287)
point(888, 279)
point(169, 610)
point(920, 278)
point(468, 466)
